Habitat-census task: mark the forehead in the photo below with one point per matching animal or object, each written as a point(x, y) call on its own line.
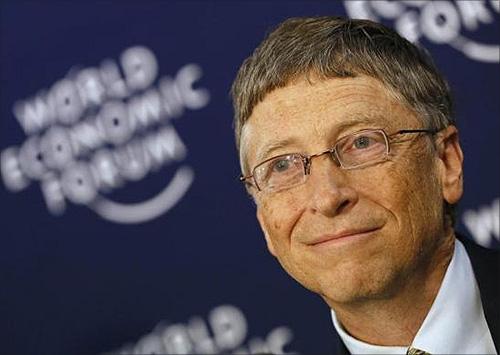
point(306, 116)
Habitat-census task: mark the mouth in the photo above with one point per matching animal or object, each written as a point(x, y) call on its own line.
point(343, 237)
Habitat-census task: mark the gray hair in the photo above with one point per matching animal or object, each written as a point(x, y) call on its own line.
point(331, 47)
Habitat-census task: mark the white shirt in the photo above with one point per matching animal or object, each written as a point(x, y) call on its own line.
point(455, 323)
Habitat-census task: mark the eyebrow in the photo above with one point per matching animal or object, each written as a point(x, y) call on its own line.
point(350, 121)
point(272, 146)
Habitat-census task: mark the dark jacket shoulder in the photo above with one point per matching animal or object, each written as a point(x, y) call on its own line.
point(486, 265)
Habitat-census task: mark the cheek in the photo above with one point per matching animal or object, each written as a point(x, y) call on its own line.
point(411, 196)
point(408, 186)
point(423, 194)
point(278, 216)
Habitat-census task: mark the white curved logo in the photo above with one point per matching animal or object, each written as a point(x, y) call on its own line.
point(483, 223)
point(225, 330)
point(149, 209)
point(99, 128)
point(438, 21)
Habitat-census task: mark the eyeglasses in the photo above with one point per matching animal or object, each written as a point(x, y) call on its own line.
point(353, 151)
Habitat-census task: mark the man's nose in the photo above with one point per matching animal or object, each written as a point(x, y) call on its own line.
point(329, 188)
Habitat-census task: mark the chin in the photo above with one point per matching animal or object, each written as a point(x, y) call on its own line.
point(356, 285)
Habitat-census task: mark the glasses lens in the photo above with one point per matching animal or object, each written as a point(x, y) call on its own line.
point(361, 148)
point(280, 173)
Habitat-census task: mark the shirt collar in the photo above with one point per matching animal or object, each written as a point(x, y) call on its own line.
point(455, 323)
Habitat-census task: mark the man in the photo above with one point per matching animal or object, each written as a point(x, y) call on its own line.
point(350, 151)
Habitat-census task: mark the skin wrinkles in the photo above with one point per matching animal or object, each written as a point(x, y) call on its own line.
point(281, 147)
point(370, 280)
point(285, 108)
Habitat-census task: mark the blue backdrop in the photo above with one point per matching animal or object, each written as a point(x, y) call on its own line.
point(149, 243)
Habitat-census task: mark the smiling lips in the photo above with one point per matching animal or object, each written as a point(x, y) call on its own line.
point(342, 235)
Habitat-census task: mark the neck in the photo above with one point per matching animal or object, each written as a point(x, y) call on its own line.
point(395, 320)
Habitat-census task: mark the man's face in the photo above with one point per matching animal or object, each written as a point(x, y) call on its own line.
point(349, 234)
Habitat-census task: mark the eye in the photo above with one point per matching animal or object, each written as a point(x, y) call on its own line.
point(362, 147)
point(281, 165)
point(280, 172)
point(362, 142)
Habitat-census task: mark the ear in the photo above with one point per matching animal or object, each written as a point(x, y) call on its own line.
point(269, 242)
point(451, 161)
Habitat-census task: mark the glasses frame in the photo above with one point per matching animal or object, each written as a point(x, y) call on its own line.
point(307, 159)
